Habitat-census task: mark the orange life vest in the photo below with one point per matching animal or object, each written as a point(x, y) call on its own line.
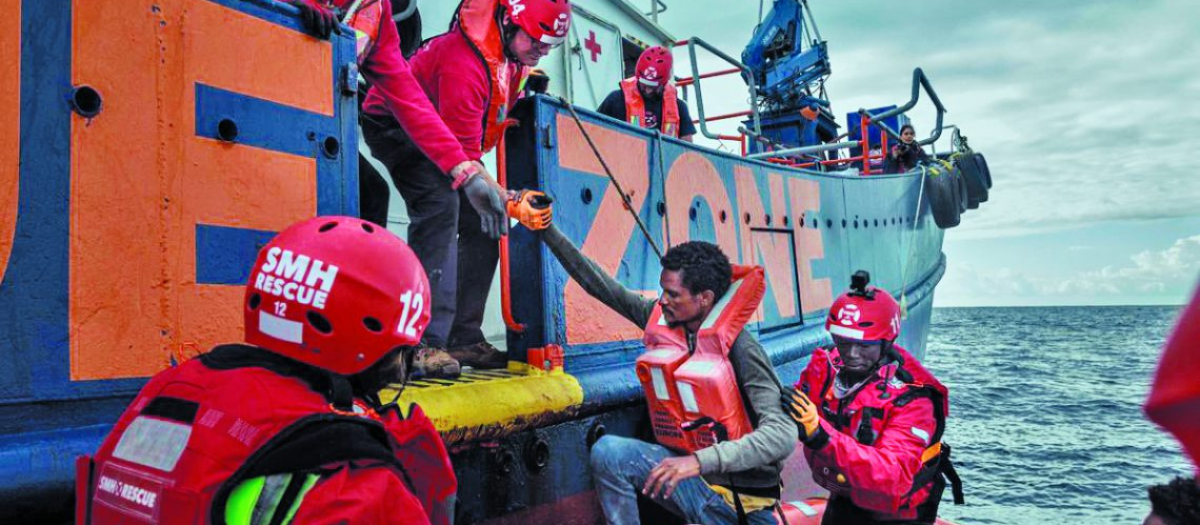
point(477, 21)
point(635, 107)
point(685, 385)
point(364, 17)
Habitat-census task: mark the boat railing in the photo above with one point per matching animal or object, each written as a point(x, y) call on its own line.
point(694, 81)
point(867, 119)
point(656, 7)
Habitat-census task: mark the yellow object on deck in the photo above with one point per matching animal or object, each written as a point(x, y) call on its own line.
point(489, 404)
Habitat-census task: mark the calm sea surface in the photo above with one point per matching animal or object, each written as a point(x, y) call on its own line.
point(1046, 419)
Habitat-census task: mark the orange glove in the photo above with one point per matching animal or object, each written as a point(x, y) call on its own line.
point(532, 209)
point(803, 411)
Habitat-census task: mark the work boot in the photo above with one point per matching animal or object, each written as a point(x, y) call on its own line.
point(479, 355)
point(433, 363)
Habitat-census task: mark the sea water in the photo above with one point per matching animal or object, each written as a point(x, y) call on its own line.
point(1046, 423)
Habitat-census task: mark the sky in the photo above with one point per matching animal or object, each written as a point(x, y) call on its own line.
point(1086, 111)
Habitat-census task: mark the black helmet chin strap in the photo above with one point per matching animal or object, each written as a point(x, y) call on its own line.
point(508, 31)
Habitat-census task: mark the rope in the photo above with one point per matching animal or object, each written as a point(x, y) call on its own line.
point(911, 239)
point(616, 185)
point(662, 171)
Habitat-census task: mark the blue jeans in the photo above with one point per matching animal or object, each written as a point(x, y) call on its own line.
point(620, 467)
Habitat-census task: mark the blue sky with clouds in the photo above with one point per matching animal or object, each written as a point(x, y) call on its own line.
point(1087, 112)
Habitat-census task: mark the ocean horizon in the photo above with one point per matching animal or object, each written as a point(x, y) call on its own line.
point(1045, 411)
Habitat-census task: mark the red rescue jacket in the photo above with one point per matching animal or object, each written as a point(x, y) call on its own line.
point(690, 386)
point(880, 446)
point(635, 107)
point(199, 430)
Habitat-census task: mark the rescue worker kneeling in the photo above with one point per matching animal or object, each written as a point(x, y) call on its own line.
point(871, 417)
point(291, 429)
point(713, 395)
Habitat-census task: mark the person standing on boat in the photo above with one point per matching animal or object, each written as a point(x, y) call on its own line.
point(697, 486)
point(397, 94)
point(907, 154)
point(871, 417)
point(649, 99)
point(289, 427)
point(473, 74)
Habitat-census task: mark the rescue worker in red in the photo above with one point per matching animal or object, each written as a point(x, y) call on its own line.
point(289, 426)
point(398, 95)
point(473, 74)
point(648, 99)
point(871, 417)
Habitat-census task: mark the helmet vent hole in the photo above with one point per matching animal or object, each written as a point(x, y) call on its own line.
point(368, 228)
point(255, 301)
point(327, 226)
point(867, 324)
point(373, 324)
point(319, 322)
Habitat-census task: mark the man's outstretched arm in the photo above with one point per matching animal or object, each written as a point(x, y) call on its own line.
point(595, 281)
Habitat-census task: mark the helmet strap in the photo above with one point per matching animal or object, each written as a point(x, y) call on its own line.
point(341, 393)
point(508, 31)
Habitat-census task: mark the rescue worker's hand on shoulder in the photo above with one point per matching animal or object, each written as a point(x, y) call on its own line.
point(806, 414)
point(487, 197)
point(317, 20)
point(531, 208)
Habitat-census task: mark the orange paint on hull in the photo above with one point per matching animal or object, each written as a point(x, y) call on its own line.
point(815, 294)
point(770, 249)
point(141, 180)
point(589, 320)
point(692, 175)
point(10, 129)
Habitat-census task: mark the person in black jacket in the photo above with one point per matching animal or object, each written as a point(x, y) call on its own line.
point(905, 155)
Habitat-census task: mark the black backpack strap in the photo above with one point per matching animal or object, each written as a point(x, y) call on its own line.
point(946, 468)
point(335, 387)
point(308, 445)
point(741, 511)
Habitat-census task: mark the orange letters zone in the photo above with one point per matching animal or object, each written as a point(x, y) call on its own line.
point(141, 180)
point(691, 175)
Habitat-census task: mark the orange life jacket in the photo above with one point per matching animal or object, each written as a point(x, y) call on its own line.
point(476, 19)
point(686, 384)
point(635, 107)
point(364, 19)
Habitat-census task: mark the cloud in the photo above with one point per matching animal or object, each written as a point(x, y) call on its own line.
point(1083, 109)
point(1150, 277)
point(1165, 271)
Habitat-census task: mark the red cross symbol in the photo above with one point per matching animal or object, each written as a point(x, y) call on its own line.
point(592, 45)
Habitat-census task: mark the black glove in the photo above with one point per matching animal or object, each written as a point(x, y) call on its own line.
point(489, 204)
point(320, 22)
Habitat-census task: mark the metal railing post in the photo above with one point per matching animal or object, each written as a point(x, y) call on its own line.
point(696, 77)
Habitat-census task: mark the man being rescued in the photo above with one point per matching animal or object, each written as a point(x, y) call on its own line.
point(871, 417)
point(712, 392)
point(649, 99)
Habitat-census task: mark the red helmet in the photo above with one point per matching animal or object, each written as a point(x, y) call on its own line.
point(865, 313)
point(337, 293)
point(547, 21)
point(654, 66)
